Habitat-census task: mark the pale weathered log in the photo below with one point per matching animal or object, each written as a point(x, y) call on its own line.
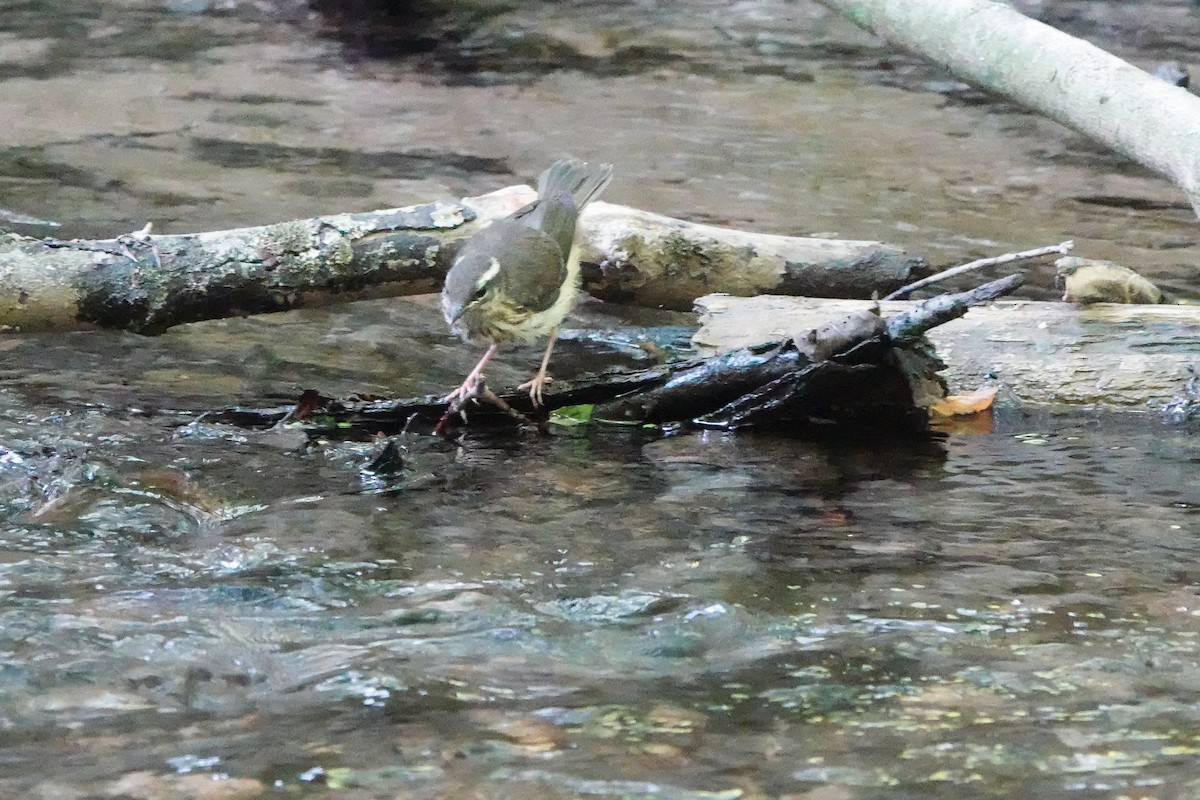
point(1112, 356)
point(992, 46)
point(148, 284)
point(661, 262)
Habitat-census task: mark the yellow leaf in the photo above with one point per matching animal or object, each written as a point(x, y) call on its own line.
point(958, 405)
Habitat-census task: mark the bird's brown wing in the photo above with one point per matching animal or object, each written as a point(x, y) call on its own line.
point(533, 267)
point(554, 216)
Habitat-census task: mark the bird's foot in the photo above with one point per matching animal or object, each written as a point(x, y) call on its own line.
point(477, 391)
point(534, 386)
point(470, 389)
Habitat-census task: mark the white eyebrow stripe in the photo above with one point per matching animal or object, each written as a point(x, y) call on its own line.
point(492, 271)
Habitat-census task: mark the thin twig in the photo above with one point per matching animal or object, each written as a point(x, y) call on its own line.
point(1060, 249)
point(491, 397)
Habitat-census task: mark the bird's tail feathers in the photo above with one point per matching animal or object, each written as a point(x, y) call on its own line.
point(581, 180)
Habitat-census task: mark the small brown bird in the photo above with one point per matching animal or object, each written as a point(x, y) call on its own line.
point(515, 280)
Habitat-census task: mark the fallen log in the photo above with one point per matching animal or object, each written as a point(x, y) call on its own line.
point(1111, 356)
point(994, 47)
point(149, 283)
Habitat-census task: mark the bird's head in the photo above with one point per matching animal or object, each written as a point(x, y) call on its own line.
point(471, 286)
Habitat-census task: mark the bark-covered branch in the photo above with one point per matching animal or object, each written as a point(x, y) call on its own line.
point(1069, 80)
point(859, 366)
point(148, 283)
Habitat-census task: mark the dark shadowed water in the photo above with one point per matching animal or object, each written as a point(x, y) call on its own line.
point(196, 611)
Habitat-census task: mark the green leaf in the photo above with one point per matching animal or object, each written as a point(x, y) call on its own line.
point(572, 415)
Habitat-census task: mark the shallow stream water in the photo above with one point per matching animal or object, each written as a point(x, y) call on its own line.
point(191, 610)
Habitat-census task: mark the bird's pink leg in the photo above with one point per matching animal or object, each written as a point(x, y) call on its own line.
point(470, 384)
point(539, 380)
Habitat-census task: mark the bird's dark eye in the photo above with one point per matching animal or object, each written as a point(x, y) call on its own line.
point(478, 293)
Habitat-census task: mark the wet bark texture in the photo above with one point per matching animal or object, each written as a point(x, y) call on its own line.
point(857, 369)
